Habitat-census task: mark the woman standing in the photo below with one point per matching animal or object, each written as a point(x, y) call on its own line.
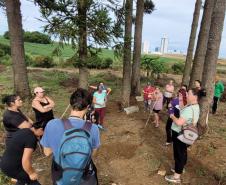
point(158, 104)
point(13, 118)
point(42, 106)
point(168, 94)
point(188, 115)
point(99, 101)
point(174, 107)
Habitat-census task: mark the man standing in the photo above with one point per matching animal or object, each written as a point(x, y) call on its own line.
point(218, 91)
point(80, 101)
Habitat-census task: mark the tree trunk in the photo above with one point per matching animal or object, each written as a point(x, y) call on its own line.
point(209, 72)
point(135, 83)
point(21, 84)
point(127, 54)
point(188, 62)
point(200, 53)
point(82, 46)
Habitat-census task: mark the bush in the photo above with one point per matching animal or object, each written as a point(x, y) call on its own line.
point(29, 59)
point(152, 65)
point(37, 37)
point(178, 68)
point(2, 53)
point(34, 37)
point(6, 60)
point(92, 62)
point(5, 48)
point(43, 61)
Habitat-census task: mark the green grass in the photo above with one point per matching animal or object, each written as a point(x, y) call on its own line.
point(47, 49)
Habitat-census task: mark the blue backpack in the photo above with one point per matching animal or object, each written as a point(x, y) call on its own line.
point(74, 153)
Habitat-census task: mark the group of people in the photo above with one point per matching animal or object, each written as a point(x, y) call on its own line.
point(22, 134)
point(183, 109)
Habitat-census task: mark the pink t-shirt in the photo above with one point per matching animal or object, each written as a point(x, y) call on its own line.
point(159, 102)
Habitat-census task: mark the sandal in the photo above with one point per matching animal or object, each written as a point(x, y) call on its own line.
point(171, 178)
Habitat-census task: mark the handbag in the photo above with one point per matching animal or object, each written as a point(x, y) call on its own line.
point(189, 133)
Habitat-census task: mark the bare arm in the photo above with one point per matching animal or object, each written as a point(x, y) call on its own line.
point(25, 124)
point(36, 104)
point(108, 91)
point(27, 165)
point(93, 87)
point(51, 102)
point(179, 121)
point(47, 151)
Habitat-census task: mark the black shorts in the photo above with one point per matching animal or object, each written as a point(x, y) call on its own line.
point(156, 111)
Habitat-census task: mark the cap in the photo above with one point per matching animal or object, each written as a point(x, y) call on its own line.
point(38, 90)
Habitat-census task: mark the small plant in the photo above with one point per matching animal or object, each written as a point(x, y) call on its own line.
point(4, 179)
point(178, 68)
point(43, 61)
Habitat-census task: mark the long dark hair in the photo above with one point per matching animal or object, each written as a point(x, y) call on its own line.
point(9, 99)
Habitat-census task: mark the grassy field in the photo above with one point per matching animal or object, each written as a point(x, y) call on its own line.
point(47, 49)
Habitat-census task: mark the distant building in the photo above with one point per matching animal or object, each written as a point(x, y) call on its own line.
point(157, 49)
point(164, 45)
point(145, 47)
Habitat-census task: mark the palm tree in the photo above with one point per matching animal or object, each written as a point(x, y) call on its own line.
point(146, 6)
point(188, 62)
point(21, 85)
point(198, 63)
point(127, 54)
point(209, 72)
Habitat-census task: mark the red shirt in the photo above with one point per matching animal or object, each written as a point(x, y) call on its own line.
point(148, 92)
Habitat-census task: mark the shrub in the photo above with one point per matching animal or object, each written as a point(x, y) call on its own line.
point(43, 61)
point(37, 37)
point(152, 65)
point(178, 68)
point(34, 37)
point(5, 48)
point(6, 60)
point(92, 62)
point(2, 53)
point(29, 60)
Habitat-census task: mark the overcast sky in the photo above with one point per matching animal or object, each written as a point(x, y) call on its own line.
point(172, 18)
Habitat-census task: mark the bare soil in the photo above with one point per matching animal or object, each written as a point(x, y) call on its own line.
point(132, 155)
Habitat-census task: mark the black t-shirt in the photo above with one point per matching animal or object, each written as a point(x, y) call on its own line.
point(12, 120)
point(11, 162)
point(43, 117)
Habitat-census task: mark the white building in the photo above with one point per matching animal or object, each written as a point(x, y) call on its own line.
point(145, 47)
point(164, 45)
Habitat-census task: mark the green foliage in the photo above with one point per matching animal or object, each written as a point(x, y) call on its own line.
point(4, 179)
point(93, 62)
point(6, 60)
point(33, 37)
point(43, 61)
point(5, 48)
point(178, 68)
point(2, 53)
point(152, 65)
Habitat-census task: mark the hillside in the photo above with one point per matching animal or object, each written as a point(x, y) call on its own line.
point(47, 49)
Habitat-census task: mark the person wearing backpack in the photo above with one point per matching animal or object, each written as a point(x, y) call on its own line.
point(73, 143)
point(188, 115)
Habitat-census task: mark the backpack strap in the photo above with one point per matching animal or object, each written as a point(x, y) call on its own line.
point(67, 124)
point(87, 126)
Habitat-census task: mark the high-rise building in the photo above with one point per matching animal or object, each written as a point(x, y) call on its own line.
point(145, 47)
point(164, 45)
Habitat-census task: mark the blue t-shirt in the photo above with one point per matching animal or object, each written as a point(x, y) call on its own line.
point(100, 98)
point(55, 129)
